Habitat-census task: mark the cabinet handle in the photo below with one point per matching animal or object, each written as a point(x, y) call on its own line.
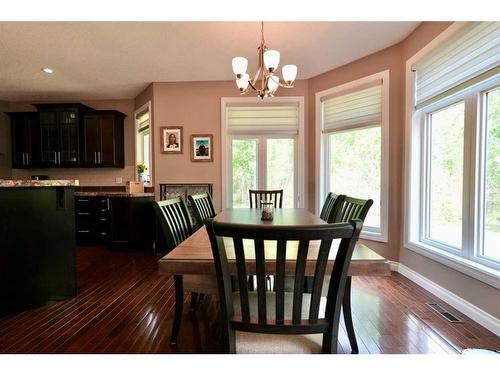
point(83, 231)
point(99, 155)
point(27, 158)
point(55, 157)
point(82, 200)
point(82, 213)
point(24, 163)
point(95, 157)
point(59, 156)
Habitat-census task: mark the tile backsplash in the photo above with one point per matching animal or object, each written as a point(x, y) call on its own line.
point(87, 177)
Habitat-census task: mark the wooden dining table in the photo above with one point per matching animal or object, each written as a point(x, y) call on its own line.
point(194, 255)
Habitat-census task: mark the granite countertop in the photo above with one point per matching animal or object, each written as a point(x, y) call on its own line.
point(37, 183)
point(111, 194)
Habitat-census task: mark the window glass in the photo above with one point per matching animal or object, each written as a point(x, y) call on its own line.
point(446, 147)
point(280, 167)
point(244, 170)
point(355, 167)
point(491, 242)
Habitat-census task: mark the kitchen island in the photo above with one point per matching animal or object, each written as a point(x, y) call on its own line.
point(37, 243)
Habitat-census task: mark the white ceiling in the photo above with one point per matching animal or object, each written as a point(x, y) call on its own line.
point(117, 60)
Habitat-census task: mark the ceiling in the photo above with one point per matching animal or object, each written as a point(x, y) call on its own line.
point(117, 60)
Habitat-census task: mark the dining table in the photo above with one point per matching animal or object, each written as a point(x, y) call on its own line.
point(194, 255)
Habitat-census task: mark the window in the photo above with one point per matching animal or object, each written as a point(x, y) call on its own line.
point(453, 200)
point(264, 148)
point(143, 140)
point(353, 133)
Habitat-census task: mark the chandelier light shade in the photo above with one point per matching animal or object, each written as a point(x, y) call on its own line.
point(271, 60)
point(266, 72)
point(289, 73)
point(240, 65)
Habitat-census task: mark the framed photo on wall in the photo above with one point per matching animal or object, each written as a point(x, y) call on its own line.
point(202, 147)
point(171, 140)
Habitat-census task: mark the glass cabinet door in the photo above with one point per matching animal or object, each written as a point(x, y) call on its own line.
point(68, 124)
point(49, 137)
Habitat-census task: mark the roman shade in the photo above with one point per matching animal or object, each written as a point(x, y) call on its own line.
point(268, 119)
point(142, 121)
point(359, 107)
point(468, 56)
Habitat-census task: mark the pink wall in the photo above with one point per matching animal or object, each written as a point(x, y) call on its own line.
point(196, 107)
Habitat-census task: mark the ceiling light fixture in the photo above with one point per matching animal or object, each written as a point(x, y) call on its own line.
point(47, 70)
point(268, 63)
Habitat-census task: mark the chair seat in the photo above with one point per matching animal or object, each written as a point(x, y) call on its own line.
point(204, 284)
point(263, 343)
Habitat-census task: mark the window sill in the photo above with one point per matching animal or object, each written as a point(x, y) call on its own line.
point(475, 270)
point(373, 236)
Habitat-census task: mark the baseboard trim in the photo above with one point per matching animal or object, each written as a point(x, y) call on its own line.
point(480, 316)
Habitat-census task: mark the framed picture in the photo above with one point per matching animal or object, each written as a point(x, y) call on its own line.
point(202, 147)
point(171, 140)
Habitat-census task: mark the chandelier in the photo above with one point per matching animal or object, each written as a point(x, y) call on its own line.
point(268, 63)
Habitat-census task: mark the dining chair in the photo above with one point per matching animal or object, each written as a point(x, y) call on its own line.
point(176, 227)
point(331, 206)
point(350, 209)
point(267, 322)
point(203, 207)
point(257, 195)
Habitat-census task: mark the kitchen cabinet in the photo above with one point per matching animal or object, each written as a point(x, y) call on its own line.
point(24, 139)
point(103, 139)
point(59, 134)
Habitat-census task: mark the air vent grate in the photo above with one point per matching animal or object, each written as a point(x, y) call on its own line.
point(444, 313)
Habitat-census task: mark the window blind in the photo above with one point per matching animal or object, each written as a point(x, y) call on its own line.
point(268, 119)
point(142, 121)
point(358, 107)
point(472, 51)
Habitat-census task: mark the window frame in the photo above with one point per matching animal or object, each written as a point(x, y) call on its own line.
point(146, 107)
point(226, 142)
point(467, 261)
point(322, 151)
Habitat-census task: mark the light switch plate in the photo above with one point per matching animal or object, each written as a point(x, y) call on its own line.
point(119, 180)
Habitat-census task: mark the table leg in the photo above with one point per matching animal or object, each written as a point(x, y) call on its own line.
point(179, 300)
point(346, 309)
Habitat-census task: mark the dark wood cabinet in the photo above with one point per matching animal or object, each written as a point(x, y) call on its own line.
point(24, 139)
point(67, 135)
point(103, 139)
point(59, 134)
point(120, 222)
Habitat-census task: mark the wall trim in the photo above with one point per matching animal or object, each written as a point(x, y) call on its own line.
point(478, 315)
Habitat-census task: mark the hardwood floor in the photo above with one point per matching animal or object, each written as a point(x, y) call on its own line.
point(124, 306)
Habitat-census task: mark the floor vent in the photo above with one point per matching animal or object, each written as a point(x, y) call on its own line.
point(444, 313)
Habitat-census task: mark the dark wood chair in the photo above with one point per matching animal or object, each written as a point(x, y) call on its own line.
point(261, 321)
point(175, 224)
point(330, 208)
point(257, 195)
point(203, 207)
point(349, 209)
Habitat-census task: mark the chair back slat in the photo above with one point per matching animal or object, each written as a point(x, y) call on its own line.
point(242, 278)
point(174, 221)
point(319, 275)
point(203, 207)
point(300, 268)
point(333, 203)
point(282, 236)
point(279, 281)
point(260, 264)
point(257, 195)
point(351, 209)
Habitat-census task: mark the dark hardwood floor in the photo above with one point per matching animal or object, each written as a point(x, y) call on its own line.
point(124, 306)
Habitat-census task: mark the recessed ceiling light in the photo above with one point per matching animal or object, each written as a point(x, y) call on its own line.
point(47, 70)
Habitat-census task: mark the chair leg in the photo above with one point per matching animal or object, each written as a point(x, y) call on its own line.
point(346, 310)
point(179, 300)
point(194, 301)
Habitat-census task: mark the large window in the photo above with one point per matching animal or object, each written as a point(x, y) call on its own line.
point(263, 149)
point(353, 159)
point(143, 140)
point(453, 201)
